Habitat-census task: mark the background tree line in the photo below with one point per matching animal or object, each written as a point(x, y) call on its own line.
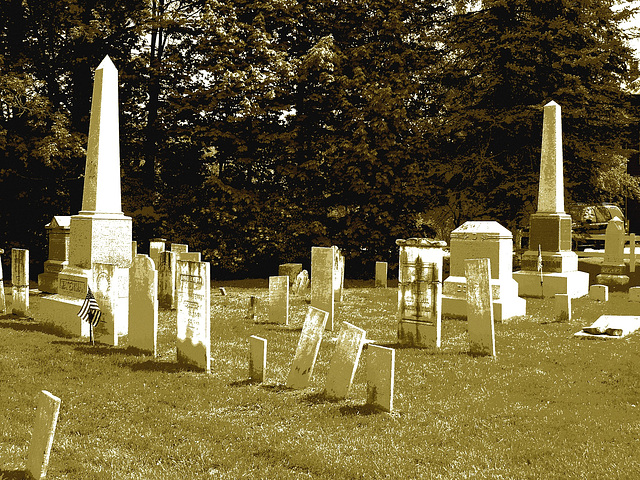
point(254, 129)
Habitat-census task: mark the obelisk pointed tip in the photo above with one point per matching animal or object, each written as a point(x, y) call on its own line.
point(552, 104)
point(106, 64)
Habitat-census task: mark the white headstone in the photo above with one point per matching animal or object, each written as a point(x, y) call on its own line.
point(344, 361)
point(106, 293)
point(43, 432)
point(257, 358)
point(380, 376)
point(20, 281)
point(381, 274)
point(338, 274)
point(156, 247)
point(279, 299)
point(167, 294)
point(143, 305)
point(189, 256)
point(322, 281)
point(307, 349)
point(193, 333)
point(3, 303)
point(480, 307)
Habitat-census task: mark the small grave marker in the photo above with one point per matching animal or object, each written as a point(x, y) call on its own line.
point(381, 274)
point(143, 305)
point(480, 307)
point(344, 361)
point(20, 281)
point(563, 307)
point(43, 432)
point(380, 376)
point(279, 299)
point(307, 349)
point(257, 358)
point(599, 293)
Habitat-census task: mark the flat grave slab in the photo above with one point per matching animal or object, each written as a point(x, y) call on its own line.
point(610, 327)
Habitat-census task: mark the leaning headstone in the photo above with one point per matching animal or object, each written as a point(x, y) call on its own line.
point(380, 376)
point(279, 299)
point(562, 307)
point(106, 293)
point(143, 305)
point(307, 349)
point(613, 269)
point(480, 309)
point(344, 361)
point(322, 281)
point(301, 283)
point(167, 295)
point(338, 274)
point(381, 274)
point(42, 437)
point(257, 358)
point(20, 281)
point(291, 270)
point(3, 302)
point(194, 296)
point(58, 232)
point(599, 292)
point(156, 247)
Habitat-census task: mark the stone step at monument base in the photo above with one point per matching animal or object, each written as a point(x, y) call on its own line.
point(503, 308)
point(48, 282)
point(418, 334)
point(575, 284)
point(553, 262)
point(61, 311)
point(618, 283)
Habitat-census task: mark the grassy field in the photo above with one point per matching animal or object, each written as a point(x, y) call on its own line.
point(549, 405)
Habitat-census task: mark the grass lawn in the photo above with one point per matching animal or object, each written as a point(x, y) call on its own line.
point(549, 406)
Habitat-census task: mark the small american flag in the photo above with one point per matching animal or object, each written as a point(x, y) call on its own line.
point(539, 259)
point(90, 310)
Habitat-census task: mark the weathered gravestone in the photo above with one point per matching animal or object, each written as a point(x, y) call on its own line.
point(291, 270)
point(301, 283)
point(381, 274)
point(338, 275)
point(420, 292)
point(179, 247)
point(613, 269)
point(189, 257)
point(58, 232)
point(20, 281)
point(167, 295)
point(562, 305)
point(3, 302)
point(143, 305)
point(44, 430)
point(279, 299)
point(380, 376)
point(134, 249)
point(307, 349)
point(322, 281)
point(257, 358)
point(156, 247)
point(480, 308)
point(550, 226)
point(251, 307)
point(599, 292)
point(194, 296)
point(106, 293)
point(344, 361)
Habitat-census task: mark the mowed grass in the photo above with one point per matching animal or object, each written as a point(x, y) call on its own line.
point(549, 406)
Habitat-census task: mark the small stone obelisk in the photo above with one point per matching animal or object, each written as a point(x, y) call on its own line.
point(550, 226)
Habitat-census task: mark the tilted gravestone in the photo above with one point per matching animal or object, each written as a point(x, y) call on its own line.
point(167, 295)
point(344, 361)
point(380, 376)
point(322, 281)
point(43, 432)
point(193, 332)
point(480, 307)
point(20, 281)
point(279, 299)
point(307, 349)
point(143, 305)
point(257, 358)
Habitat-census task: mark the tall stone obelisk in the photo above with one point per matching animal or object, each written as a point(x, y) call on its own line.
point(550, 226)
point(100, 233)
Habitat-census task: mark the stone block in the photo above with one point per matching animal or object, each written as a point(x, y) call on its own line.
point(279, 299)
point(575, 283)
point(307, 350)
point(599, 293)
point(257, 358)
point(480, 307)
point(551, 231)
point(613, 281)
point(61, 312)
point(143, 305)
point(380, 376)
point(44, 429)
point(344, 361)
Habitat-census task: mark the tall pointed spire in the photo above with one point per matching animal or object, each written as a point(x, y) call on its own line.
point(102, 171)
point(551, 187)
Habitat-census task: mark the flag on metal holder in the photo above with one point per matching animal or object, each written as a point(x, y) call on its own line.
point(90, 311)
point(539, 265)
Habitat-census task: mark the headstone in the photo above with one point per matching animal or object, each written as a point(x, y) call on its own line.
point(143, 305)
point(562, 307)
point(58, 232)
point(381, 274)
point(189, 257)
point(550, 226)
point(194, 294)
point(420, 292)
point(291, 270)
point(279, 299)
point(482, 239)
point(167, 293)
point(3, 302)
point(301, 283)
point(257, 358)
point(307, 349)
point(134, 249)
point(251, 307)
point(613, 269)
point(42, 437)
point(344, 361)
point(100, 232)
point(599, 293)
point(223, 291)
point(179, 247)
point(338, 275)
point(634, 294)
point(106, 293)
point(632, 252)
point(480, 308)
point(20, 281)
point(322, 278)
point(380, 376)
point(156, 247)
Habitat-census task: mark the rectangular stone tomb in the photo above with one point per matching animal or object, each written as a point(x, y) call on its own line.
point(143, 305)
point(322, 279)
point(344, 361)
point(279, 299)
point(480, 307)
point(380, 376)
point(43, 432)
point(257, 358)
point(193, 333)
point(307, 349)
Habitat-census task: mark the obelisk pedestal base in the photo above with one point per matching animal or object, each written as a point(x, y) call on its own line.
point(575, 284)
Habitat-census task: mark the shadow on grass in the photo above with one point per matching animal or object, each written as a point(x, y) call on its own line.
point(159, 366)
point(244, 383)
point(13, 475)
point(29, 325)
point(365, 409)
point(278, 387)
point(319, 397)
